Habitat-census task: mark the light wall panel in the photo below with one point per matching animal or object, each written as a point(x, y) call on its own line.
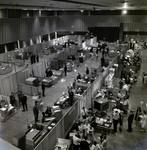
point(137, 27)
point(14, 29)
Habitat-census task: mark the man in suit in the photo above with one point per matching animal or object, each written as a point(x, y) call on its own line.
point(43, 88)
point(65, 69)
point(36, 111)
point(71, 96)
point(84, 145)
point(24, 102)
point(12, 99)
point(130, 121)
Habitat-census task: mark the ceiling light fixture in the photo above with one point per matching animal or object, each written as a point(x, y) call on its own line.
point(124, 11)
point(81, 10)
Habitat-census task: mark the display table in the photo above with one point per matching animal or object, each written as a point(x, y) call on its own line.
point(54, 79)
point(5, 70)
point(30, 81)
point(83, 85)
point(57, 74)
point(62, 101)
point(31, 135)
point(47, 82)
point(62, 72)
point(5, 113)
point(36, 133)
point(19, 62)
point(103, 124)
point(101, 105)
point(63, 144)
point(109, 80)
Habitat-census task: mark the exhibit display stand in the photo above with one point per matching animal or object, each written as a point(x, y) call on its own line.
point(6, 112)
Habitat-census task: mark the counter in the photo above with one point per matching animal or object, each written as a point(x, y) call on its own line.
point(5, 70)
point(64, 144)
point(62, 101)
point(5, 113)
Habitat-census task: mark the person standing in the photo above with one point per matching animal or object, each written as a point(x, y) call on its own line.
point(37, 57)
point(137, 116)
point(71, 96)
point(34, 58)
point(121, 116)
point(12, 99)
point(36, 111)
point(115, 120)
point(84, 145)
point(24, 102)
point(19, 95)
point(130, 121)
point(84, 112)
point(76, 142)
point(65, 69)
point(43, 89)
point(50, 73)
point(87, 70)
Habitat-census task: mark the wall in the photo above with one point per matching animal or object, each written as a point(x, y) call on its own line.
point(25, 28)
point(14, 29)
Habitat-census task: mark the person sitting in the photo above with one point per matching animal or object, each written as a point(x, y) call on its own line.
point(48, 111)
point(79, 91)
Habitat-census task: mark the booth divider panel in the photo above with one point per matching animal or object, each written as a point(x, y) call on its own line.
point(15, 82)
point(88, 97)
point(1, 89)
point(70, 118)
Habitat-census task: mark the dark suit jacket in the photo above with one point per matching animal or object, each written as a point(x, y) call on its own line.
point(84, 145)
point(130, 118)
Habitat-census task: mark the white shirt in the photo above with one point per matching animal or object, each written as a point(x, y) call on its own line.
point(76, 140)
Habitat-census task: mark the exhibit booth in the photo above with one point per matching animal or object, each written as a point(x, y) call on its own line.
point(62, 128)
point(16, 81)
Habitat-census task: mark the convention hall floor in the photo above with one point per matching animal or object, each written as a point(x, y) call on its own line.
point(135, 140)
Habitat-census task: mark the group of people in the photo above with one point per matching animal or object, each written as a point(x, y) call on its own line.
point(22, 100)
point(140, 118)
point(84, 138)
point(34, 58)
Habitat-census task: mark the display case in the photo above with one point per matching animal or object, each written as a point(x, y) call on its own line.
point(5, 68)
point(62, 101)
point(37, 132)
point(109, 80)
point(101, 105)
point(47, 82)
point(54, 80)
point(57, 73)
point(62, 144)
point(31, 81)
point(103, 124)
point(6, 112)
point(57, 112)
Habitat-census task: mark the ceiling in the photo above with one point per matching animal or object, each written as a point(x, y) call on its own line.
point(75, 4)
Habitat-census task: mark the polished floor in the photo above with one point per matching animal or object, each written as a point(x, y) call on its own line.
point(119, 141)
